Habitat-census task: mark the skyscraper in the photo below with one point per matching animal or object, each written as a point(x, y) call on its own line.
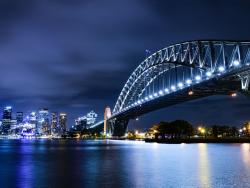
point(54, 122)
point(43, 127)
point(6, 121)
point(32, 120)
point(19, 117)
point(63, 122)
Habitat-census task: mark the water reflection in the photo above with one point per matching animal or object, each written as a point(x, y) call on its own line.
point(25, 170)
point(245, 150)
point(69, 163)
point(204, 166)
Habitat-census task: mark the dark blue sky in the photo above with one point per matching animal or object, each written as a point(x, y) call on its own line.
point(76, 55)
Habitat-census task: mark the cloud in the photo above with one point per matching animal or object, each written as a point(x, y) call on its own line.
point(77, 55)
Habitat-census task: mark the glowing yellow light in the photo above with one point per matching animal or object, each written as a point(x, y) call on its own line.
point(233, 94)
point(190, 93)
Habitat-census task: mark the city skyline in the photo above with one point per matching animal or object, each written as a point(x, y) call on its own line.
point(41, 122)
point(66, 59)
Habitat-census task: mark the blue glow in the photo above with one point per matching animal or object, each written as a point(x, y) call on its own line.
point(221, 68)
point(166, 90)
point(188, 81)
point(161, 92)
point(198, 77)
point(236, 63)
point(180, 84)
point(208, 74)
point(173, 87)
point(155, 94)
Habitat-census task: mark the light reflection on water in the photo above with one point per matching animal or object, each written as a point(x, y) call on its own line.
point(204, 166)
point(72, 163)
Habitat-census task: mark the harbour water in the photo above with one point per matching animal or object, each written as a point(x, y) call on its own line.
point(106, 163)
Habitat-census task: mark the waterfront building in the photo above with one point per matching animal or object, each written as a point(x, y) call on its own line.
point(62, 122)
point(91, 118)
point(80, 123)
point(6, 121)
point(54, 123)
point(19, 117)
point(43, 127)
point(86, 121)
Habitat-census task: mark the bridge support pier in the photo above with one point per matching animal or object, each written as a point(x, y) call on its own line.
point(245, 82)
point(118, 127)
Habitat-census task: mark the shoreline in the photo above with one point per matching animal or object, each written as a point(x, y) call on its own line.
point(199, 140)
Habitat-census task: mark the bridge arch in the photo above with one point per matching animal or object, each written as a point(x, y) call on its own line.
point(179, 66)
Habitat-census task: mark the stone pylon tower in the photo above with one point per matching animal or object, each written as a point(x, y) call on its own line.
point(107, 115)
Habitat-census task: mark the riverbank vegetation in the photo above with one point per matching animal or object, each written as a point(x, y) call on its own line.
point(182, 131)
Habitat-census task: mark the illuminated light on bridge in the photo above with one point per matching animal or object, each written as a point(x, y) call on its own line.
point(160, 92)
point(190, 93)
point(170, 75)
point(188, 81)
point(233, 94)
point(166, 90)
point(180, 85)
point(197, 78)
point(221, 68)
point(173, 88)
point(155, 94)
point(209, 74)
point(236, 63)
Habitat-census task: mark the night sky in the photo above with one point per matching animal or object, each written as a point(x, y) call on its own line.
point(75, 56)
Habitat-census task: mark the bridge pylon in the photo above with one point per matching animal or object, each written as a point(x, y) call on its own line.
point(245, 82)
point(107, 115)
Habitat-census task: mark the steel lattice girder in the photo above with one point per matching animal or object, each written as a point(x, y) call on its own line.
point(199, 55)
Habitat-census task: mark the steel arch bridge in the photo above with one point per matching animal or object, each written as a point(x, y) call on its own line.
point(179, 73)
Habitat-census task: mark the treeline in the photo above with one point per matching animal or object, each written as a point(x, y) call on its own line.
point(174, 129)
point(183, 129)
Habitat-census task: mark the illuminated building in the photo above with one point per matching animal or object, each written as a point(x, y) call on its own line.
point(54, 122)
point(32, 120)
point(63, 122)
point(91, 118)
point(19, 117)
point(85, 122)
point(80, 123)
point(6, 121)
point(43, 127)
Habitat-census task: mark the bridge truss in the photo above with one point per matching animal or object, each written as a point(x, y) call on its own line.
point(182, 66)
